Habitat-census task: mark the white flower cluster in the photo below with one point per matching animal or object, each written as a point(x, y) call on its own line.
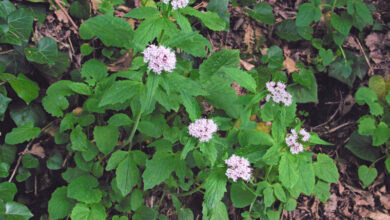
point(278, 93)
point(160, 58)
point(292, 140)
point(239, 167)
point(203, 129)
point(176, 4)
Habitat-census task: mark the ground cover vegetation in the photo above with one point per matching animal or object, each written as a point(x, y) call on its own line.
point(114, 109)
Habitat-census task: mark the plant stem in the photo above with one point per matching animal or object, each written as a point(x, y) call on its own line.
point(342, 52)
point(377, 160)
point(130, 140)
point(333, 6)
point(189, 192)
point(268, 171)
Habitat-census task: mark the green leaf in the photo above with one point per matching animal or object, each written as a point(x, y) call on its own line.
point(216, 63)
point(274, 57)
point(6, 8)
point(106, 138)
point(288, 173)
point(219, 212)
point(215, 186)
point(307, 13)
point(326, 169)
point(25, 88)
point(59, 205)
point(378, 85)
point(80, 9)
point(55, 161)
point(94, 71)
point(29, 161)
point(22, 114)
point(80, 88)
point(120, 33)
point(191, 105)
point(61, 65)
point(150, 129)
point(367, 175)
point(136, 199)
point(17, 211)
point(78, 139)
point(361, 147)
point(387, 164)
point(19, 27)
point(314, 139)
point(241, 196)
point(388, 97)
point(158, 169)
point(291, 204)
point(120, 119)
point(209, 19)
point(321, 191)
point(381, 134)
point(363, 12)
point(367, 125)
point(220, 7)
point(120, 92)
point(279, 192)
point(367, 96)
point(144, 213)
point(262, 12)
point(46, 53)
point(326, 56)
point(307, 91)
point(191, 42)
point(142, 13)
point(4, 100)
point(86, 49)
point(254, 137)
point(4, 169)
point(7, 191)
point(21, 134)
point(85, 189)
point(84, 212)
point(269, 197)
point(341, 23)
point(185, 214)
point(287, 30)
point(182, 83)
point(127, 175)
point(242, 78)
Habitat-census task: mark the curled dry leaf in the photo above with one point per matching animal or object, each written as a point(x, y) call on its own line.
point(290, 65)
point(385, 200)
point(61, 16)
point(246, 65)
point(379, 216)
point(37, 150)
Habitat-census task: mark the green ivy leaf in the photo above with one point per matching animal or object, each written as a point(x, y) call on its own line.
point(287, 30)
point(25, 88)
point(326, 169)
point(262, 12)
point(367, 96)
point(158, 169)
point(367, 125)
point(120, 33)
point(307, 13)
point(19, 27)
point(215, 186)
point(88, 212)
point(321, 190)
point(288, 173)
point(381, 134)
point(14, 210)
point(59, 205)
point(326, 56)
point(361, 147)
point(367, 175)
point(341, 23)
point(307, 90)
point(55, 161)
point(7, 191)
point(106, 138)
point(85, 189)
point(79, 139)
point(127, 175)
point(45, 53)
point(21, 134)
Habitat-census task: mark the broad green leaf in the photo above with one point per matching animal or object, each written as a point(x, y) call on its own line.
point(142, 13)
point(221, 8)
point(120, 119)
point(94, 70)
point(210, 19)
point(326, 169)
point(219, 212)
point(191, 42)
point(216, 63)
point(291, 204)
point(287, 30)
point(17, 211)
point(4, 100)
point(85, 189)
point(127, 175)
point(381, 134)
point(120, 33)
point(7, 191)
point(80, 9)
point(84, 212)
point(181, 83)
point(367, 175)
point(306, 174)
point(147, 97)
point(29, 161)
point(136, 199)
point(269, 197)
point(388, 98)
point(342, 71)
point(378, 85)
point(4, 169)
point(25, 88)
point(80, 88)
point(21, 134)
point(59, 205)
point(240, 196)
point(274, 57)
point(22, 114)
point(326, 56)
point(191, 105)
point(307, 13)
point(55, 161)
point(86, 49)
point(6, 8)
point(79, 139)
point(45, 53)
point(341, 23)
point(361, 147)
point(19, 27)
point(145, 213)
point(254, 137)
point(215, 186)
point(315, 139)
point(262, 12)
point(120, 92)
point(158, 169)
point(7, 153)
point(242, 78)
point(279, 192)
point(106, 138)
point(288, 173)
point(150, 129)
point(185, 214)
point(321, 191)
point(363, 12)
point(367, 96)
point(367, 125)
point(307, 91)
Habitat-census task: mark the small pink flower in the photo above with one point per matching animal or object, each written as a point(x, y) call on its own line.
point(176, 4)
point(239, 167)
point(203, 129)
point(159, 58)
point(292, 140)
point(278, 93)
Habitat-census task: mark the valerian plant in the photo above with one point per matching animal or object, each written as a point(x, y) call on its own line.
point(148, 129)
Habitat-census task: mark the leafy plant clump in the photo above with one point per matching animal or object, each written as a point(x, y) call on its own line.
point(169, 124)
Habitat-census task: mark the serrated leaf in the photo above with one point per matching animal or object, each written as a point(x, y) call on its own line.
point(215, 186)
point(80, 88)
point(326, 169)
point(158, 169)
point(19, 27)
point(127, 175)
point(367, 125)
point(288, 173)
point(120, 119)
point(321, 191)
point(367, 96)
point(84, 212)
point(45, 53)
point(79, 139)
point(21, 134)
point(191, 105)
point(243, 78)
point(262, 12)
point(59, 205)
point(191, 42)
point(363, 12)
point(85, 189)
point(287, 30)
point(210, 19)
point(25, 88)
point(216, 63)
point(307, 13)
point(120, 92)
point(381, 134)
point(106, 138)
point(219, 212)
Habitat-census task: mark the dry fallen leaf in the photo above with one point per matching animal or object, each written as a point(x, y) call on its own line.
point(374, 41)
point(37, 150)
point(61, 16)
point(249, 39)
point(290, 65)
point(331, 206)
point(379, 216)
point(246, 65)
point(385, 200)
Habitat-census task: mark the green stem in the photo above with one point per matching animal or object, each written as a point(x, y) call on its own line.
point(333, 6)
point(377, 160)
point(162, 197)
point(130, 140)
point(342, 52)
point(268, 171)
point(190, 192)
point(250, 190)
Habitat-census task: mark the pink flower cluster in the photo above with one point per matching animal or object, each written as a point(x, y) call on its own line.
point(177, 3)
point(278, 93)
point(239, 167)
point(160, 58)
point(292, 140)
point(203, 129)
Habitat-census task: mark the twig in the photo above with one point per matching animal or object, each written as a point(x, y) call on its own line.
point(6, 52)
point(20, 159)
point(371, 71)
point(66, 14)
point(340, 126)
point(331, 117)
